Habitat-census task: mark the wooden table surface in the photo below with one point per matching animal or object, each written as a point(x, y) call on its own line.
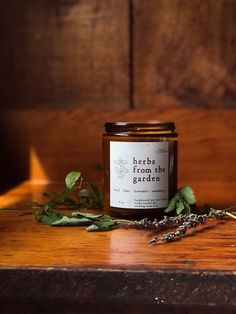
point(99, 270)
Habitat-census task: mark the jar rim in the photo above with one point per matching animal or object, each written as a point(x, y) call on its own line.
point(139, 126)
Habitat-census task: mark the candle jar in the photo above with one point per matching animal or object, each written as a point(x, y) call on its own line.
point(139, 168)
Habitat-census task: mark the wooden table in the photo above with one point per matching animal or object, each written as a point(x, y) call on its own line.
point(68, 270)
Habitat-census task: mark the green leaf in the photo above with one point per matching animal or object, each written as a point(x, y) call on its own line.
point(69, 201)
point(71, 221)
point(84, 193)
point(92, 228)
point(187, 207)
point(103, 225)
point(188, 194)
point(181, 201)
point(172, 205)
point(86, 198)
point(72, 178)
point(90, 216)
point(96, 193)
point(180, 207)
point(49, 217)
point(59, 198)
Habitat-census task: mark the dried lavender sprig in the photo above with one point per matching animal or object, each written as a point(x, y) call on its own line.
point(182, 229)
point(193, 221)
point(219, 214)
point(165, 223)
point(156, 225)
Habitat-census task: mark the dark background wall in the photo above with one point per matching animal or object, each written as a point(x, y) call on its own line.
point(117, 53)
point(67, 66)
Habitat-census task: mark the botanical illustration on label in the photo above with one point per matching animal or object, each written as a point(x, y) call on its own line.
point(139, 174)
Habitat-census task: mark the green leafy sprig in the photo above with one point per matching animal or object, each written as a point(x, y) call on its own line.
point(95, 222)
point(182, 201)
point(75, 195)
point(82, 194)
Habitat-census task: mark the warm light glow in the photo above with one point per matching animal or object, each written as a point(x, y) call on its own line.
point(37, 173)
point(17, 195)
point(24, 192)
point(28, 190)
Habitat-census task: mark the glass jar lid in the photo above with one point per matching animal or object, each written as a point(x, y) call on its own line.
point(139, 126)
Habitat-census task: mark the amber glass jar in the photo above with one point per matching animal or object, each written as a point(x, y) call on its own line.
point(139, 168)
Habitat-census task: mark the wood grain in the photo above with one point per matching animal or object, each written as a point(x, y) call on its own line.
point(184, 53)
point(116, 54)
point(64, 54)
point(24, 242)
point(57, 142)
point(120, 268)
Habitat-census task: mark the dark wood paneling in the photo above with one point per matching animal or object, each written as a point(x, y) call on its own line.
point(61, 141)
point(184, 53)
point(64, 53)
point(79, 53)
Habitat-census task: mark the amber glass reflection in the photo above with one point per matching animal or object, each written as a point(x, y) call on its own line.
point(129, 132)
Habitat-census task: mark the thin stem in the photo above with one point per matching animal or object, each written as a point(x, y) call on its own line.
point(229, 208)
point(230, 215)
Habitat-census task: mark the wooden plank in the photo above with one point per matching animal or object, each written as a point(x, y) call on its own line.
point(19, 235)
point(25, 243)
point(89, 291)
point(184, 53)
point(64, 54)
point(37, 262)
point(60, 141)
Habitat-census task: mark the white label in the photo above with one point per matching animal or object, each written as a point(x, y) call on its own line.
point(139, 174)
